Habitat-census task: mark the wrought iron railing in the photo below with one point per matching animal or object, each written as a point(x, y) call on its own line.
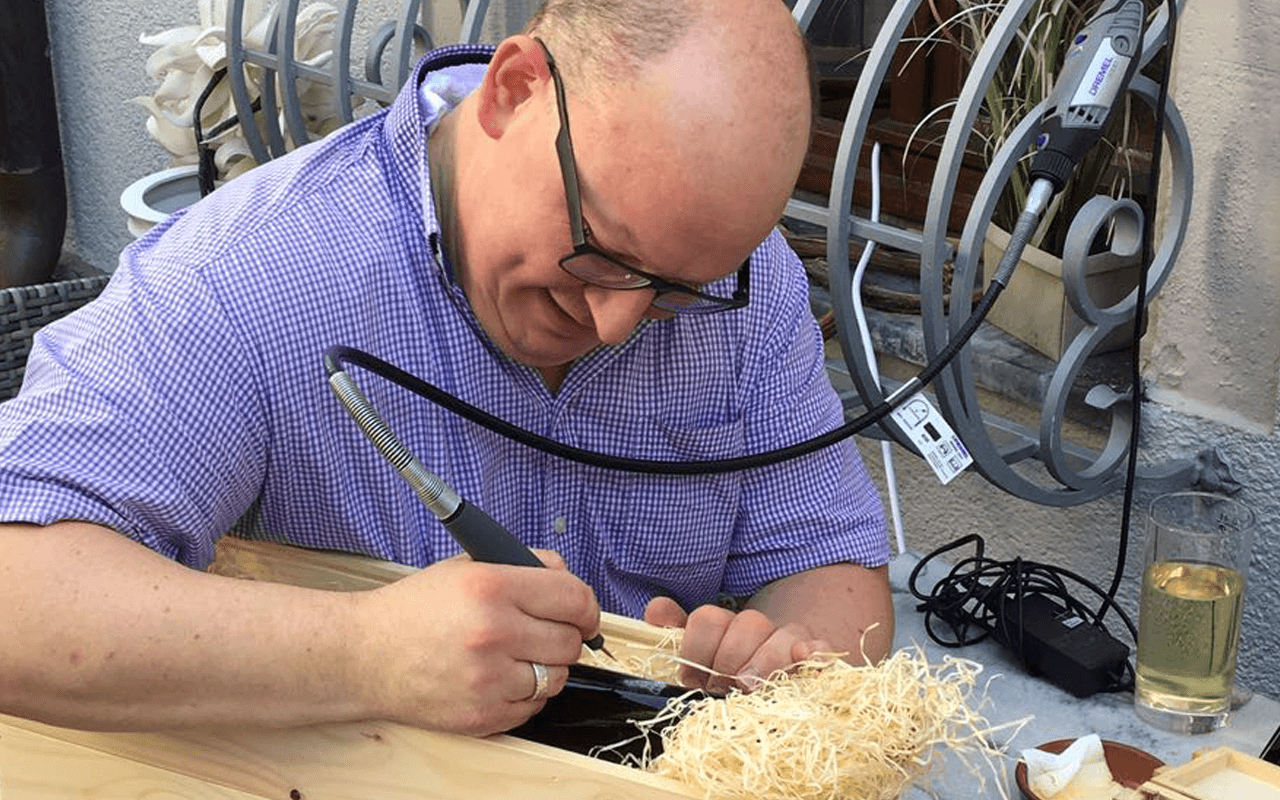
point(277, 61)
point(1072, 474)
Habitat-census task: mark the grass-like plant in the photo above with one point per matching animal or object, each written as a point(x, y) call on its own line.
point(1026, 75)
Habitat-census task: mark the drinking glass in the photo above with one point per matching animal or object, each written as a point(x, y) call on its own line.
point(1193, 587)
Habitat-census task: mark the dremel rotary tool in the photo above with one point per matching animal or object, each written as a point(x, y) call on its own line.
point(1100, 62)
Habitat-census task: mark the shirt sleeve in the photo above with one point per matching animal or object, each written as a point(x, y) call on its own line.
point(135, 414)
point(811, 511)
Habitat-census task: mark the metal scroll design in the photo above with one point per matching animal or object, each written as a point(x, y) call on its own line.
point(398, 36)
point(395, 38)
point(1069, 474)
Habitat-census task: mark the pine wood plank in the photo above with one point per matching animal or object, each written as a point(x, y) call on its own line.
point(353, 761)
point(34, 766)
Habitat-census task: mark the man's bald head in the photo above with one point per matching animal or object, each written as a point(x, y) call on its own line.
point(731, 81)
point(607, 41)
point(690, 120)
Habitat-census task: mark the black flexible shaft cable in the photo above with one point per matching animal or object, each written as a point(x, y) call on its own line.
point(336, 355)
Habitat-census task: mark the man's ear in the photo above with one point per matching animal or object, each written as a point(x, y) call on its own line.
point(517, 72)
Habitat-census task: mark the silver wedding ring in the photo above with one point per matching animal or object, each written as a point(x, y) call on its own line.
point(539, 680)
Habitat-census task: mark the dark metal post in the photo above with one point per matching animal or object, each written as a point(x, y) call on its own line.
point(33, 195)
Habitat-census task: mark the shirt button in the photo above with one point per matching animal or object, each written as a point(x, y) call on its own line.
point(559, 525)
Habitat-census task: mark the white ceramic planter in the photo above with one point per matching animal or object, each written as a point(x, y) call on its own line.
point(153, 197)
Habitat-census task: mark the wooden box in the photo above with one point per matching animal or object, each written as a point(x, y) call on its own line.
point(349, 761)
point(1221, 774)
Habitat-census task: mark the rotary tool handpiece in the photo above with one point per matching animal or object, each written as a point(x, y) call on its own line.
point(485, 540)
point(1102, 59)
point(475, 531)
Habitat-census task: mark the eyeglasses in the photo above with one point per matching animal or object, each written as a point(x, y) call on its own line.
point(592, 265)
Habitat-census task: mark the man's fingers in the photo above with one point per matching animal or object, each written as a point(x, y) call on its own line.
point(805, 649)
point(535, 681)
point(783, 649)
point(556, 596)
point(739, 650)
point(551, 559)
point(703, 633)
point(750, 639)
point(664, 612)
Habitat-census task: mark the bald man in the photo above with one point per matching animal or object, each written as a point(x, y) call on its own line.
point(572, 231)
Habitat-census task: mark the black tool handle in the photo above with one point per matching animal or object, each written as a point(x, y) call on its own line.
point(484, 539)
point(1271, 753)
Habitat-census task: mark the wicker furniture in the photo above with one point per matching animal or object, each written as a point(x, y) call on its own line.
point(26, 309)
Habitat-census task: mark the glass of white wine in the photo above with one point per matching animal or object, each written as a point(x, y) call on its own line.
point(1193, 586)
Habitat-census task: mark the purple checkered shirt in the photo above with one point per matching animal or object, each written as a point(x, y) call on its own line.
point(190, 399)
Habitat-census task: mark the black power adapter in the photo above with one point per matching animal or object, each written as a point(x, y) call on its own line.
point(1027, 607)
point(1054, 641)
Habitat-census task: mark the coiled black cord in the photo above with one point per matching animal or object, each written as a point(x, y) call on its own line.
point(981, 597)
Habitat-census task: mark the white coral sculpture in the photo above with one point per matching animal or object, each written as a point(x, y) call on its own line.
point(187, 58)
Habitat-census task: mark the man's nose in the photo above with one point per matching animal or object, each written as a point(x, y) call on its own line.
point(616, 312)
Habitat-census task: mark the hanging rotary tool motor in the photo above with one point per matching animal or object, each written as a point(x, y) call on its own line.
point(1101, 61)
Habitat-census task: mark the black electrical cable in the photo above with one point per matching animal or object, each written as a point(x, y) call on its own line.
point(206, 171)
point(1139, 314)
point(338, 354)
point(980, 597)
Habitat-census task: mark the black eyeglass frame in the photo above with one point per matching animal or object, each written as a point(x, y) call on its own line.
point(580, 231)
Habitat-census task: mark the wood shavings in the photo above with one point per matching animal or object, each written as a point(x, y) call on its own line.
point(829, 730)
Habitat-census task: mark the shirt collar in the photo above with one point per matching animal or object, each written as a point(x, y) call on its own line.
point(441, 80)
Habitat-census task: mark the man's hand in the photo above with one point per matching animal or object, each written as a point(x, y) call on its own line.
point(451, 647)
point(840, 608)
point(102, 633)
point(744, 646)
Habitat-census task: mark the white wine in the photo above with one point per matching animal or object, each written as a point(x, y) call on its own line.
point(1187, 636)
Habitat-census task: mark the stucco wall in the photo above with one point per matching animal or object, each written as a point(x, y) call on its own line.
point(98, 65)
point(1214, 349)
point(1216, 345)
